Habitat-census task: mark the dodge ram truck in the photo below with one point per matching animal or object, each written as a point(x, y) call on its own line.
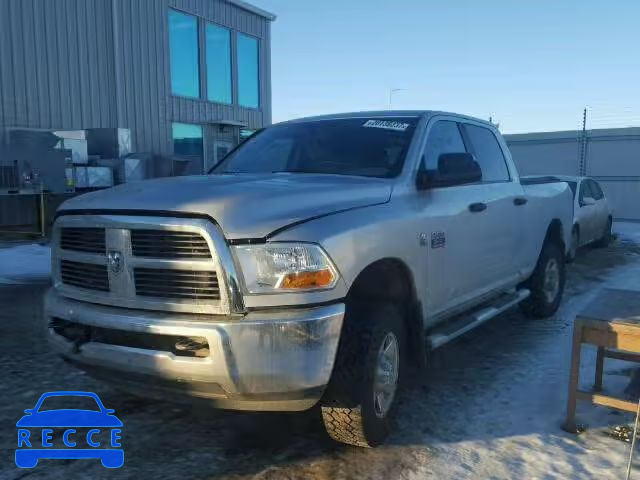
point(315, 264)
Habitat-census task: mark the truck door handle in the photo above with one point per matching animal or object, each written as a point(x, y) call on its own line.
point(477, 207)
point(520, 201)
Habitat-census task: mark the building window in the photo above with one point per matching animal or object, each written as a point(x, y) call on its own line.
point(183, 49)
point(248, 81)
point(187, 140)
point(218, 45)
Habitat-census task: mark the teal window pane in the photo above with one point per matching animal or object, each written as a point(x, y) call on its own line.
point(183, 50)
point(218, 44)
point(248, 80)
point(187, 139)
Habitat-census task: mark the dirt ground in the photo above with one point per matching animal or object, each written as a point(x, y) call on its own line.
point(489, 406)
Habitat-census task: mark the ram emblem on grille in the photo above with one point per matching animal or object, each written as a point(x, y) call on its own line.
point(114, 261)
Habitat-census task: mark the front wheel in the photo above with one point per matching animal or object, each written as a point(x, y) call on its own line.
point(546, 283)
point(359, 402)
point(605, 240)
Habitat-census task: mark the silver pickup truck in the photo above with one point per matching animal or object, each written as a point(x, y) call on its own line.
point(315, 264)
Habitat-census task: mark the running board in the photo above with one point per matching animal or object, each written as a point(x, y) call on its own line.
point(458, 326)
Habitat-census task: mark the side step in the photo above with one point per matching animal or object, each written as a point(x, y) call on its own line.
point(465, 322)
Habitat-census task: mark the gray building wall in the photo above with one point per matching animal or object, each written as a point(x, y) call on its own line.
point(611, 156)
point(74, 64)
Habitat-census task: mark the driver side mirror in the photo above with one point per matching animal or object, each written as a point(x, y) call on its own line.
point(588, 201)
point(453, 169)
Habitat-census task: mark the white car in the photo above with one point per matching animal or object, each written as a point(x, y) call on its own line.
point(592, 213)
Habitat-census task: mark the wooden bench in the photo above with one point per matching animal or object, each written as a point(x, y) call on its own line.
point(611, 322)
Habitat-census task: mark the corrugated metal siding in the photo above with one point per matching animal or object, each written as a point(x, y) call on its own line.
point(55, 60)
point(71, 64)
point(145, 104)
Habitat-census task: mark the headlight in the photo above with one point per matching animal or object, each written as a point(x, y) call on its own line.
point(282, 267)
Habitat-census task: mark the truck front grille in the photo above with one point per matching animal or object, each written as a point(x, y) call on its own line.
point(168, 244)
point(83, 239)
point(144, 262)
point(84, 275)
point(180, 284)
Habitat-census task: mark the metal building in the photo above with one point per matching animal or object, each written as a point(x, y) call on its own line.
point(187, 77)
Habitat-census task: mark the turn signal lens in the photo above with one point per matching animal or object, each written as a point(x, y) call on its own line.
point(319, 279)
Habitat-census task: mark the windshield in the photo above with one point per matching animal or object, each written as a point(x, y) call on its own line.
point(350, 146)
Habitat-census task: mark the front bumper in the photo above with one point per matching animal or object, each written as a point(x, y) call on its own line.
point(276, 360)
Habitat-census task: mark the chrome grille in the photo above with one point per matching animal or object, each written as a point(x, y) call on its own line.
point(83, 239)
point(145, 262)
point(183, 284)
point(84, 275)
point(168, 244)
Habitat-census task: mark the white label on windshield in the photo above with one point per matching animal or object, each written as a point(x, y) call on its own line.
point(386, 124)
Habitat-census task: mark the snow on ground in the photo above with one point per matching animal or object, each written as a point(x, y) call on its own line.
point(490, 405)
point(24, 263)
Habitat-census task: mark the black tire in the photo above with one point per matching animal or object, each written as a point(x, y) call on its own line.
point(348, 409)
point(605, 240)
point(574, 245)
point(539, 305)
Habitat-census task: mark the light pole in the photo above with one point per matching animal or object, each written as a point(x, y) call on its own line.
point(391, 92)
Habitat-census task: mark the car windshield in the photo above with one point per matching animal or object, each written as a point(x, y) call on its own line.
point(371, 147)
point(66, 402)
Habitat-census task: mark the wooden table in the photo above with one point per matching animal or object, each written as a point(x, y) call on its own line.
point(612, 323)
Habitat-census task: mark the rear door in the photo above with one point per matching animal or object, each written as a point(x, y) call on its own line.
point(499, 230)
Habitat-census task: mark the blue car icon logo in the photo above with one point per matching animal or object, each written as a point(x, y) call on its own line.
point(94, 427)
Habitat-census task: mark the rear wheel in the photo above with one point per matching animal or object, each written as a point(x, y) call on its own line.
point(605, 240)
point(359, 402)
point(573, 247)
point(546, 283)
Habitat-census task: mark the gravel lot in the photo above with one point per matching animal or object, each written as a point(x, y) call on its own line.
point(489, 406)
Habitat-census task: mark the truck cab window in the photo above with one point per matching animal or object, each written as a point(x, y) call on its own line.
point(488, 153)
point(444, 137)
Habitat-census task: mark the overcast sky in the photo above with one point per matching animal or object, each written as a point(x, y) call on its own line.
point(531, 65)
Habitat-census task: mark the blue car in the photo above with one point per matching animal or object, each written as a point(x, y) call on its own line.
point(36, 421)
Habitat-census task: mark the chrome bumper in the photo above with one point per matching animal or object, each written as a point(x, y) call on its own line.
point(279, 360)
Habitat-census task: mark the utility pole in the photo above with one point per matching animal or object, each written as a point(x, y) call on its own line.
point(583, 145)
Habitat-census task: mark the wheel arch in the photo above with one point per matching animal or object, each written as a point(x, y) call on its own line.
point(555, 234)
point(391, 280)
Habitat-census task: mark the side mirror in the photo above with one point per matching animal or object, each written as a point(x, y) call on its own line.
point(29, 411)
point(588, 201)
point(453, 169)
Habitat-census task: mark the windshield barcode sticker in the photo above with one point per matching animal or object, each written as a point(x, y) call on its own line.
point(386, 124)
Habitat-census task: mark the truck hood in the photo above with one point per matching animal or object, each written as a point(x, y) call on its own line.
point(245, 206)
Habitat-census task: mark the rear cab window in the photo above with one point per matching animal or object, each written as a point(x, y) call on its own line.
point(484, 145)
